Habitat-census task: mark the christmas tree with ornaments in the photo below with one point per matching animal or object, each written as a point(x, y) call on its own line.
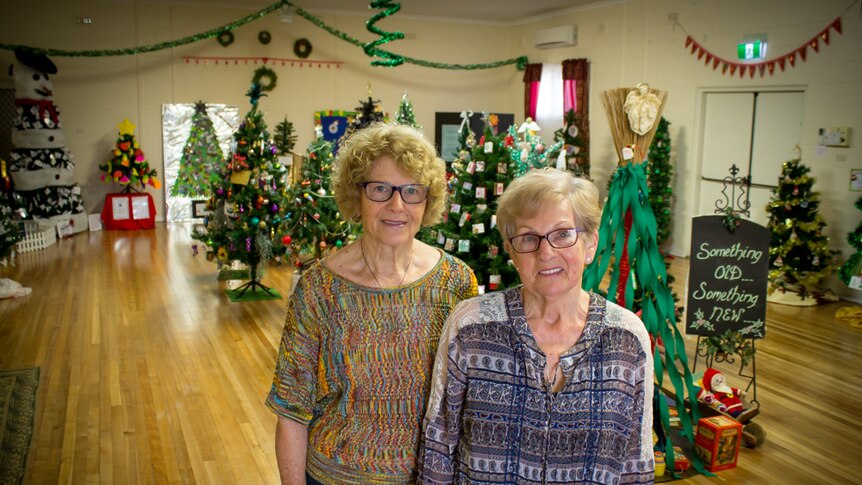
point(314, 225)
point(469, 229)
point(41, 167)
point(577, 151)
point(128, 165)
point(247, 208)
point(405, 115)
point(799, 254)
point(201, 155)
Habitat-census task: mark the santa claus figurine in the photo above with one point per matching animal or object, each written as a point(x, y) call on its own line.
point(718, 394)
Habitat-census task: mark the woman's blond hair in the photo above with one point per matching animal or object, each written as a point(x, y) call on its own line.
point(412, 154)
point(538, 189)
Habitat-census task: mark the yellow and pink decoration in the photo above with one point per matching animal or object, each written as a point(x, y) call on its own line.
point(128, 165)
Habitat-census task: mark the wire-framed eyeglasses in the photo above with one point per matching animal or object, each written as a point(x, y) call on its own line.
point(382, 191)
point(559, 239)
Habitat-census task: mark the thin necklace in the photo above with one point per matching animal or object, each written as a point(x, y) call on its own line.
point(406, 270)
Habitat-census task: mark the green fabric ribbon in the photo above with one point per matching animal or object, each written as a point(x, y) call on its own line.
point(628, 192)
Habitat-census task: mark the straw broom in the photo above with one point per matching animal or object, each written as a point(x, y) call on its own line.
point(613, 100)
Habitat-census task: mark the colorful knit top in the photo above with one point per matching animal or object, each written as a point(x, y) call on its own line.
point(492, 417)
point(355, 365)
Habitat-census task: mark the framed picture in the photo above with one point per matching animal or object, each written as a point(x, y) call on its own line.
point(448, 125)
point(856, 179)
point(199, 209)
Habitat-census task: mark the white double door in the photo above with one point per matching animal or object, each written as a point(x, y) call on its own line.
point(755, 130)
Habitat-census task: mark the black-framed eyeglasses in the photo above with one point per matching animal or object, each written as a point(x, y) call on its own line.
point(382, 191)
point(559, 239)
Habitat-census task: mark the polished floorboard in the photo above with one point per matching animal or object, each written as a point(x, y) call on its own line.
point(149, 374)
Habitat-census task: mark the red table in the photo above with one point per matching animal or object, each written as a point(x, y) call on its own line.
point(129, 212)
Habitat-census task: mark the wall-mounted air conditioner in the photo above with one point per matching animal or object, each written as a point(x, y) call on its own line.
point(563, 36)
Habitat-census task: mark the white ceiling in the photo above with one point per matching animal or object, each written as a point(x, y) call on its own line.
point(470, 11)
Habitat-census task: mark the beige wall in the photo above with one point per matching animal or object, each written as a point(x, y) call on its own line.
point(626, 42)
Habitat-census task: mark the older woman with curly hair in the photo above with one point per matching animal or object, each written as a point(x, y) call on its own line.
point(354, 366)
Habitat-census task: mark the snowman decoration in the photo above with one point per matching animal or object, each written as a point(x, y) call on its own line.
point(41, 167)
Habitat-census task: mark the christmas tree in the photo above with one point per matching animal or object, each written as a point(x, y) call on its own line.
point(799, 255)
point(577, 152)
point(285, 137)
point(40, 166)
point(201, 155)
point(11, 211)
point(480, 176)
point(405, 114)
point(659, 180)
point(248, 203)
point(314, 224)
point(853, 266)
point(367, 113)
point(128, 165)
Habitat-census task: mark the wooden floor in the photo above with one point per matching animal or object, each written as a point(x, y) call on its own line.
point(149, 374)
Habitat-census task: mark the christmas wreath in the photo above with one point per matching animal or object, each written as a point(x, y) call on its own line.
point(302, 48)
point(225, 38)
point(264, 37)
point(269, 74)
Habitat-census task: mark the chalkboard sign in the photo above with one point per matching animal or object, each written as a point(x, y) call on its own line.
point(727, 278)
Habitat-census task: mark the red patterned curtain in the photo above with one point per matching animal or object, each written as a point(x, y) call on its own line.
point(576, 95)
point(532, 76)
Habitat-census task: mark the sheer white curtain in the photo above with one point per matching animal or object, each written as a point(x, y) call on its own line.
point(549, 107)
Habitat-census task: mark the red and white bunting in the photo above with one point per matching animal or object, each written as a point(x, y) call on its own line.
point(762, 66)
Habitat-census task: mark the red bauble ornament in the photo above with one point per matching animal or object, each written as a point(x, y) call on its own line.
point(286, 240)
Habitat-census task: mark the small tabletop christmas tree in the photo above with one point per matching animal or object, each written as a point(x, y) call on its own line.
point(659, 178)
point(128, 165)
point(799, 255)
point(314, 224)
point(853, 266)
point(201, 155)
point(248, 204)
point(405, 114)
point(367, 113)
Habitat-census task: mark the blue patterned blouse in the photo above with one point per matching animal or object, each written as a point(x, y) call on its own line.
point(492, 418)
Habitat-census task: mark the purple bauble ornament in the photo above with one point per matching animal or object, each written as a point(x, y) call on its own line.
point(274, 208)
point(220, 191)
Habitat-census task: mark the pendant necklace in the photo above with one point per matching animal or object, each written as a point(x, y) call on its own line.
point(403, 277)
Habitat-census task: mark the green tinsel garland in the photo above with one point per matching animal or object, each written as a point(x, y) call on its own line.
point(520, 62)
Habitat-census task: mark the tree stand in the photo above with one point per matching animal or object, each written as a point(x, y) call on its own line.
point(254, 284)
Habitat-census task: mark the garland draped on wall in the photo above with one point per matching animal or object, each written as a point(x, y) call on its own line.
point(519, 62)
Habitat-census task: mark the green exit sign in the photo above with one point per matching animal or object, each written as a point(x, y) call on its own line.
point(751, 50)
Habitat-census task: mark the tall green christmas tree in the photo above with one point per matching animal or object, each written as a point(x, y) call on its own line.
point(405, 114)
point(659, 181)
point(314, 225)
point(128, 165)
point(248, 203)
point(577, 151)
point(799, 255)
point(201, 156)
point(480, 176)
point(853, 266)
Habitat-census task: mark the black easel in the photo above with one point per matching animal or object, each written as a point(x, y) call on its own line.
point(734, 205)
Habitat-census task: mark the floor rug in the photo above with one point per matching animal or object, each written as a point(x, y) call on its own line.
point(17, 407)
